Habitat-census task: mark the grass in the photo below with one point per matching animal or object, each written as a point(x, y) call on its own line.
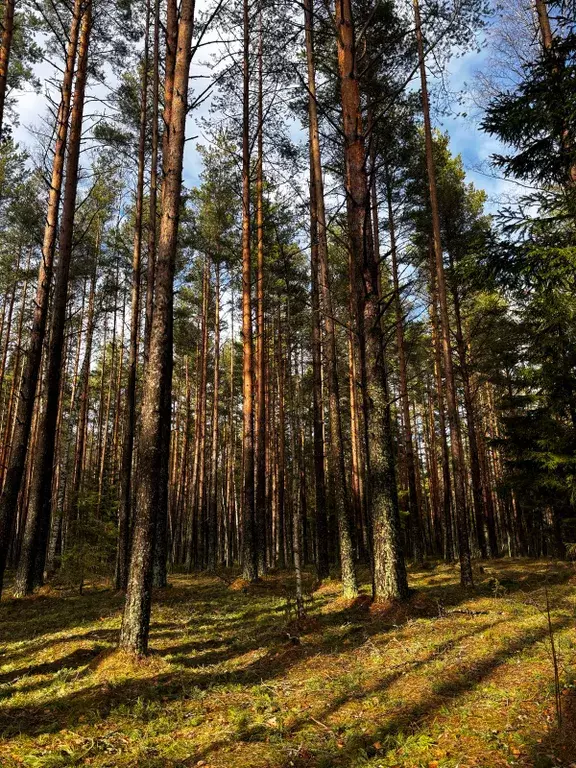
point(453, 679)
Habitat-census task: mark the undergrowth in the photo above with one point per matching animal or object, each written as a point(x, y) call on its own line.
point(451, 679)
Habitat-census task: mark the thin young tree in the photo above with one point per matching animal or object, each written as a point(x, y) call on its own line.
point(457, 450)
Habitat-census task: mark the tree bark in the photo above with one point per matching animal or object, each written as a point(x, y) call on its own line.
point(322, 562)
point(338, 467)
point(122, 553)
point(29, 380)
point(5, 48)
point(456, 447)
point(389, 576)
point(153, 195)
point(136, 617)
point(249, 553)
point(159, 574)
point(33, 553)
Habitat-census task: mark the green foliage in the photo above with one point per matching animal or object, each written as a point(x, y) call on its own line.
point(537, 119)
point(90, 551)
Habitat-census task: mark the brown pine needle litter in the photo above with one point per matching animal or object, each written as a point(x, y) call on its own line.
point(450, 679)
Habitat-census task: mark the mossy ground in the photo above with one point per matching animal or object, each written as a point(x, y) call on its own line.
point(452, 679)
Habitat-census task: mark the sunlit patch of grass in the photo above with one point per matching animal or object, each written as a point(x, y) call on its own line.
point(234, 681)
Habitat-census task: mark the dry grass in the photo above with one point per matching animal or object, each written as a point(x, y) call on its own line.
point(450, 679)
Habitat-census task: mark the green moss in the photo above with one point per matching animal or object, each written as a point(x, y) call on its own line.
point(226, 687)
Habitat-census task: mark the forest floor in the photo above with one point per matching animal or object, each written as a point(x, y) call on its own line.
point(451, 679)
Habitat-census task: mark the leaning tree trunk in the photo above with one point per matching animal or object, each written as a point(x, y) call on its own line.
point(33, 553)
point(136, 617)
point(5, 48)
point(29, 380)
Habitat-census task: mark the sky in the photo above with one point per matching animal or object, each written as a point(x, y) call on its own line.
point(466, 137)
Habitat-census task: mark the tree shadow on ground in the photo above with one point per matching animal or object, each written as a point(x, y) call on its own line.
point(558, 748)
point(261, 631)
point(25, 619)
point(275, 662)
point(416, 717)
point(78, 658)
point(506, 577)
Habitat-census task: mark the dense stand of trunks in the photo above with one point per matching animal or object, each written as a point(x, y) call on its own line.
point(325, 454)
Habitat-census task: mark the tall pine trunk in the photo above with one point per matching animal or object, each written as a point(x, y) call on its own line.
point(122, 553)
point(158, 383)
point(213, 490)
point(337, 458)
point(73, 509)
point(31, 372)
point(5, 49)
point(389, 576)
point(33, 553)
point(413, 506)
point(322, 562)
point(153, 195)
point(480, 515)
point(249, 553)
point(159, 576)
point(456, 447)
point(260, 371)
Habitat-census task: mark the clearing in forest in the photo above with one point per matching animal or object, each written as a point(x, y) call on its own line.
point(452, 679)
